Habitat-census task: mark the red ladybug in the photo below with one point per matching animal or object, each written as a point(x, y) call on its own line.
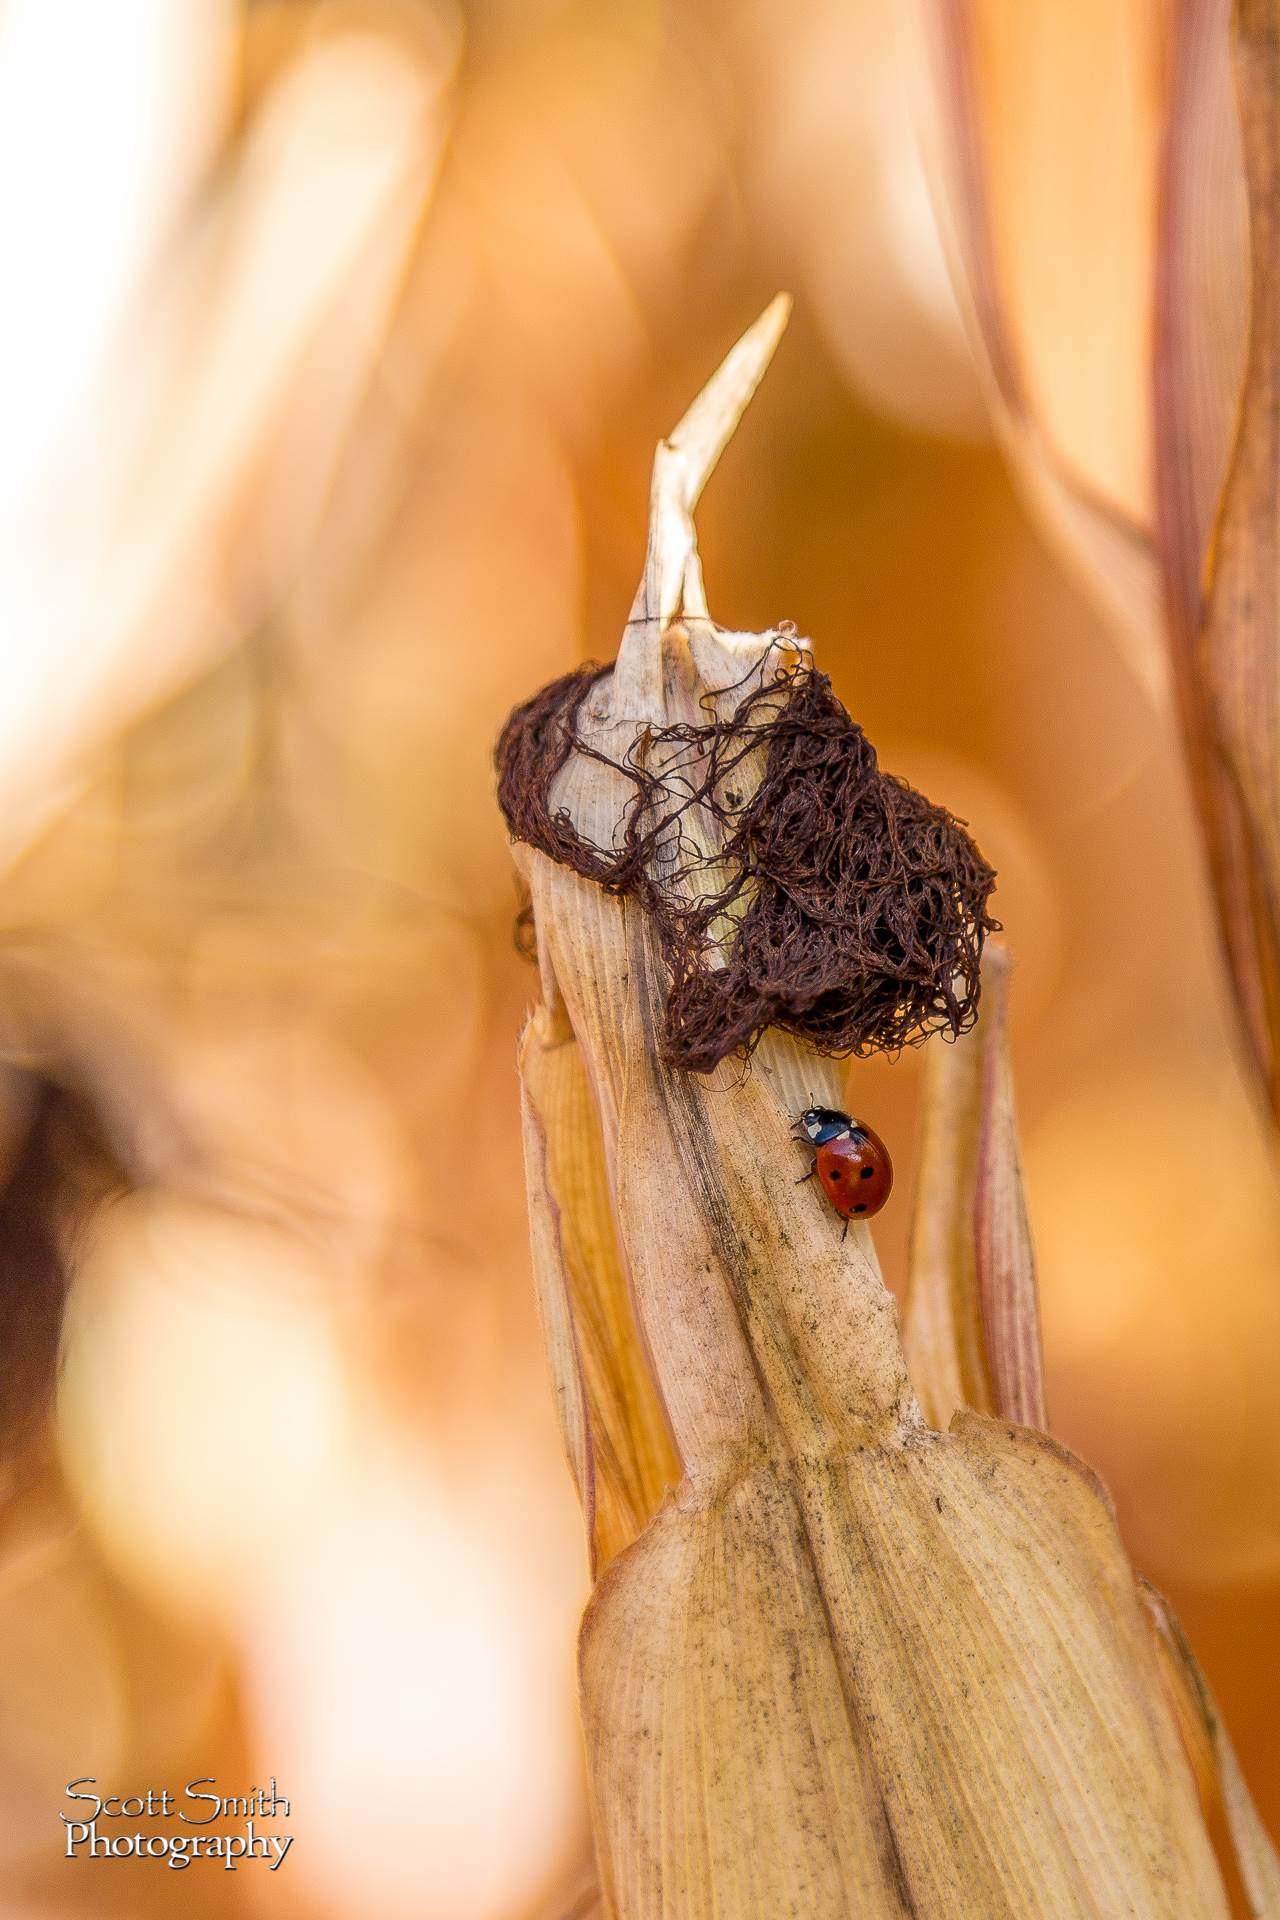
point(851, 1161)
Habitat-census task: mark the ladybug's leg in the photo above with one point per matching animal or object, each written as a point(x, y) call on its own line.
point(807, 1176)
point(844, 1236)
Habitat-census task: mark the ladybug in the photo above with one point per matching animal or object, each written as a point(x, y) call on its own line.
point(851, 1161)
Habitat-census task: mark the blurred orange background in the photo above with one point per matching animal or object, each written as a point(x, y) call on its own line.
point(339, 338)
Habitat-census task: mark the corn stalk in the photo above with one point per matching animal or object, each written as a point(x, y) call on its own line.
point(838, 1660)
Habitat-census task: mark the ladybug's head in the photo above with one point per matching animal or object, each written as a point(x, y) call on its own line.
point(824, 1123)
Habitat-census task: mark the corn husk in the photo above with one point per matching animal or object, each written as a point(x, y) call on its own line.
point(1225, 1796)
point(973, 1317)
point(837, 1660)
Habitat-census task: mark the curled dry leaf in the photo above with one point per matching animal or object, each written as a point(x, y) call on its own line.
point(613, 1426)
point(1223, 1790)
point(1201, 327)
point(1224, 631)
point(1135, 391)
point(972, 1337)
point(1062, 353)
point(973, 1320)
point(851, 1664)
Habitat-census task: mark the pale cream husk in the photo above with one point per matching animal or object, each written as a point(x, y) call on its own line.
point(836, 1662)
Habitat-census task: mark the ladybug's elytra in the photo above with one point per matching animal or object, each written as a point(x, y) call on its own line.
point(850, 1160)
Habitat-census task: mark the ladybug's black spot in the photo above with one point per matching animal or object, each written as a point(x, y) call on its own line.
point(866, 1173)
point(859, 1208)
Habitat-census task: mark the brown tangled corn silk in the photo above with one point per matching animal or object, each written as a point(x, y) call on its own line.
point(857, 909)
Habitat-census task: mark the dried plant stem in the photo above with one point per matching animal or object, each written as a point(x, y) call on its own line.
point(847, 1663)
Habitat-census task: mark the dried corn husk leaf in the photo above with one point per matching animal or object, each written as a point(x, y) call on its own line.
point(1008, 1302)
point(942, 1332)
point(973, 1321)
point(612, 1423)
point(853, 1664)
point(1063, 348)
point(1119, 410)
point(1201, 326)
point(1229, 660)
point(1202, 305)
point(1209, 1744)
point(972, 1335)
